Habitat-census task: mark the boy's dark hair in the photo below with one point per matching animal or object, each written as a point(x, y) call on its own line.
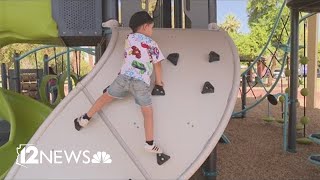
point(138, 19)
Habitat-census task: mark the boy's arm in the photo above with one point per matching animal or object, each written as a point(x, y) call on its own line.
point(158, 73)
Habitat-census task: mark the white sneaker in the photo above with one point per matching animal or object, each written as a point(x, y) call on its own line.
point(152, 148)
point(80, 122)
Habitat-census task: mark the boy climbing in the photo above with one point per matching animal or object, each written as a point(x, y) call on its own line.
point(141, 55)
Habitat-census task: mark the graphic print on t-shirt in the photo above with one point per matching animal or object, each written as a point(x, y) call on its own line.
point(140, 53)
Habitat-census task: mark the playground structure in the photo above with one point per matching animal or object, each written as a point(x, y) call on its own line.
point(290, 48)
point(297, 6)
point(265, 82)
point(67, 39)
point(116, 127)
point(24, 121)
point(55, 39)
point(29, 81)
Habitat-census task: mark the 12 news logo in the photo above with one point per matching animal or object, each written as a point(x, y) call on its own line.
point(30, 155)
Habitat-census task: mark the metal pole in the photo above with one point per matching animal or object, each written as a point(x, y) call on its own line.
point(211, 162)
point(178, 13)
point(45, 65)
point(166, 14)
point(4, 76)
point(46, 72)
point(110, 10)
point(285, 122)
point(212, 11)
point(210, 166)
point(293, 80)
point(98, 52)
point(243, 95)
point(17, 73)
point(68, 70)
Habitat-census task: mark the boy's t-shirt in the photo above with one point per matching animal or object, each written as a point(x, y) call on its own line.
point(140, 52)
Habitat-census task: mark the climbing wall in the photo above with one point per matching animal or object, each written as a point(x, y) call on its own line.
point(191, 111)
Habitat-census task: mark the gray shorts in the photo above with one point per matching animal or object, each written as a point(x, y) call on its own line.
point(123, 84)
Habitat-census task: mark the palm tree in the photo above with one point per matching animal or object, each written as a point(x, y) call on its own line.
point(231, 24)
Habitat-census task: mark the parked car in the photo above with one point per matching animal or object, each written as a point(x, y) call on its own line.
point(303, 70)
point(276, 73)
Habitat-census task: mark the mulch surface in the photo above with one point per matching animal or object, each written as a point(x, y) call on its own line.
point(256, 148)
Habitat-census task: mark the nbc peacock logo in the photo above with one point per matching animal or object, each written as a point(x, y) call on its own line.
point(101, 157)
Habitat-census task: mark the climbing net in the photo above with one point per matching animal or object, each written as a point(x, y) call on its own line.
point(264, 73)
point(271, 66)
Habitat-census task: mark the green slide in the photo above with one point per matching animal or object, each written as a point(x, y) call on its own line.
point(27, 21)
point(25, 115)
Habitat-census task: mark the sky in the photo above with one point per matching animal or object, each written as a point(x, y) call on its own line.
point(238, 8)
point(235, 7)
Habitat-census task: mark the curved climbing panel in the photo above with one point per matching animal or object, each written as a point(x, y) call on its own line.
point(189, 118)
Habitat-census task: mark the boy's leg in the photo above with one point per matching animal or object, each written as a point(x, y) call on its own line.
point(103, 100)
point(150, 146)
point(118, 89)
point(147, 112)
point(83, 120)
point(142, 95)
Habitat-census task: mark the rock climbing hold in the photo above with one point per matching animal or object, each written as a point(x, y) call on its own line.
point(162, 158)
point(213, 56)
point(158, 91)
point(173, 58)
point(207, 88)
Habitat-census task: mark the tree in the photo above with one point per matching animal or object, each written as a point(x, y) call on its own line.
point(247, 45)
point(7, 52)
point(231, 24)
point(261, 9)
point(262, 17)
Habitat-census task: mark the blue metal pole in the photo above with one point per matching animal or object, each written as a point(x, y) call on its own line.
point(68, 70)
point(244, 95)
point(71, 50)
point(110, 10)
point(17, 73)
point(31, 52)
point(97, 53)
point(46, 71)
point(293, 80)
point(4, 76)
point(178, 13)
point(211, 162)
point(212, 11)
point(285, 124)
point(87, 50)
point(209, 167)
point(45, 65)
